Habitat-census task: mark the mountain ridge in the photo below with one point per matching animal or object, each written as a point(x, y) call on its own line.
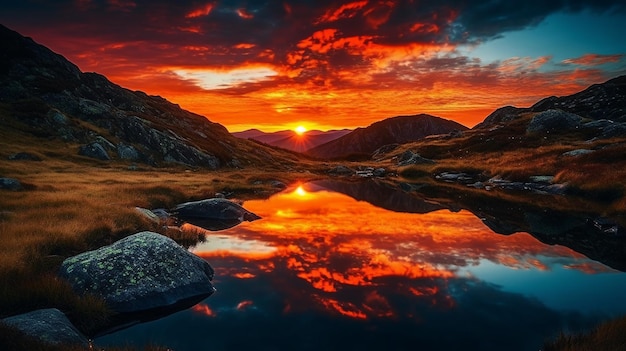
point(394, 130)
point(46, 95)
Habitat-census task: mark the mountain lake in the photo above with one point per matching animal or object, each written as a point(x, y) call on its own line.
point(332, 266)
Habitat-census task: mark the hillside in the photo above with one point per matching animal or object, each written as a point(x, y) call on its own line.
point(605, 101)
point(45, 97)
point(396, 130)
point(290, 140)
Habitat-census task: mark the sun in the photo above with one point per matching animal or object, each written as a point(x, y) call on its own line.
point(300, 130)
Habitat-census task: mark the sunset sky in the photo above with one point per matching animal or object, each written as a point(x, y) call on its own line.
point(329, 64)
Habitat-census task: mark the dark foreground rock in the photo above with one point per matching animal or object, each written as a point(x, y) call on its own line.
point(141, 272)
point(49, 325)
point(10, 184)
point(215, 208)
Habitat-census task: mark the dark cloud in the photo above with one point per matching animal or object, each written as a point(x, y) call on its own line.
point(313, 45)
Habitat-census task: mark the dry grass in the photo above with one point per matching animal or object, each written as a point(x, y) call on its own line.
point(608, 336)
point(71, 205)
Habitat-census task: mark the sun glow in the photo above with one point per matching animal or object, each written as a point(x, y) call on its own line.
point(300, 130)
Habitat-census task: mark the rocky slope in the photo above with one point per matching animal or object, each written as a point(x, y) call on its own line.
point(396, 130)
point(45, 96)
point(605, 101)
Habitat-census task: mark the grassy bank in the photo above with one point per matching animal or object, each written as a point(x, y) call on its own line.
point(68, 208)
point(609, 336)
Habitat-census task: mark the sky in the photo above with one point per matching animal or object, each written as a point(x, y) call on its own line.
point(327, 64)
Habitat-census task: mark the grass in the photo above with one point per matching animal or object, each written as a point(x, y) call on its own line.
point(608, 336)
point(72, 205)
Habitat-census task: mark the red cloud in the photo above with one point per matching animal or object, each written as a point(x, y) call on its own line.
point(344, 11)
point(203, 11)
point(244, 14)
point(593, 59)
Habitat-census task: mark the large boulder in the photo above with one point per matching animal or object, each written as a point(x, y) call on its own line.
point(215, 208)
point(140, 272)
point(49, 325)
point(552, 121)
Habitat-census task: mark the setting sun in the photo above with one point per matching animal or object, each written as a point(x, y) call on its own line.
point(300, 130)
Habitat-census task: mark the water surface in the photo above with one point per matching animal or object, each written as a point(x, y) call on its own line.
point(323, 270)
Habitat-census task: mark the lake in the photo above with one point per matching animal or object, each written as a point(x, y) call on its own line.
point(324, 269)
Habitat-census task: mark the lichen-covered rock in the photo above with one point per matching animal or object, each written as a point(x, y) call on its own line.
point(48, 325)
point(140, 272)
point(551, 121)
point(215, 208)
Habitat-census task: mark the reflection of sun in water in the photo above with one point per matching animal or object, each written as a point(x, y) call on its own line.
point(300, 130)
point(300, 191)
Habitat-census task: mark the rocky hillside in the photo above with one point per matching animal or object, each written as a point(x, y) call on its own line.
point(606, 101)
point(290, 140)
point(42, 95)
point(396, 130)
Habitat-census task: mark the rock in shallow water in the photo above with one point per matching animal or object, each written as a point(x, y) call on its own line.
point(140, 272)
point(216, 208)
point(49, 325)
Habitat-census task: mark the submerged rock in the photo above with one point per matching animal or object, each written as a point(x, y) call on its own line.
point(215, 208)
point(48, 325)
point(140, 272)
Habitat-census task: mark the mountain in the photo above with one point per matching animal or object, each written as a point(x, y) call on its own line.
point(606, 101)
point(43, 96)
point(395, 130)
point(290, 140)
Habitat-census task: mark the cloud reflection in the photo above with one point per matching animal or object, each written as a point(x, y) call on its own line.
point(351, 254)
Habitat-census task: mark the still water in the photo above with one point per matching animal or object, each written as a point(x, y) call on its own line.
point(325, 271)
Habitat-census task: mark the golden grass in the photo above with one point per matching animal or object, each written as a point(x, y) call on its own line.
point(73, 207)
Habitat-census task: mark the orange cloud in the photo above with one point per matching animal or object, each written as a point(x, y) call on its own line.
point(593, 59)
point(244, 14)
point(344, 11)
point(202, 11)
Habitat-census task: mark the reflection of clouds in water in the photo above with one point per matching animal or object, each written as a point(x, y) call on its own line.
point(366, 246)
point(324, 271)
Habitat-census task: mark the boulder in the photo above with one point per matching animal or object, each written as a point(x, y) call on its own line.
point(278, 184)
point(383, 151)
point(341, 170)
point(94, 150)
point(552, 121)
point(141, 272)
point(48, 325)
point(215, 208)
point(10, 184)
point(24, 156)
point(410, 158)
point(127, 152)
point(577, 152)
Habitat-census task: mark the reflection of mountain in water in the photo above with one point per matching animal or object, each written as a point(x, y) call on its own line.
point(379, 195)
point(572, 229)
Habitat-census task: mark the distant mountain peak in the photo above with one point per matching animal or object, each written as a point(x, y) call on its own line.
point(394, 130)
